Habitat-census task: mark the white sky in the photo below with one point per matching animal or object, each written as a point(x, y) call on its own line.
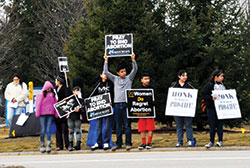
point(1, 9)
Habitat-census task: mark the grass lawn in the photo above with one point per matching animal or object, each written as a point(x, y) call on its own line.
point(165, 139)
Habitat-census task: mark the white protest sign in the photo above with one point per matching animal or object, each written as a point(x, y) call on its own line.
point(181, 102)
point(63, 64)
point(226, 104)
point(119, 45)
point(22, 119)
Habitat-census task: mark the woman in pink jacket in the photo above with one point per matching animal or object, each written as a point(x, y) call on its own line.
point(45, 110)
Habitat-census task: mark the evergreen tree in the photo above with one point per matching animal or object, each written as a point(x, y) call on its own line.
point(86, 46)
point(198, 36)
point(205, 35)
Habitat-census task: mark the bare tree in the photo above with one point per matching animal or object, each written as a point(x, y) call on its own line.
point(34, 35)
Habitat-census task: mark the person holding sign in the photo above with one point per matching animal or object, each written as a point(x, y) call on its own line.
point(104, 135)
point(146, 124)
point(215, 83)
point(74, 122)
point(44, 103)
point(62, 132)
point(17, 96)
point(183, 121)
point(121, 83)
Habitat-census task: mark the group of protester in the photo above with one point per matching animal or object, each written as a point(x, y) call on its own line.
point(69, 128)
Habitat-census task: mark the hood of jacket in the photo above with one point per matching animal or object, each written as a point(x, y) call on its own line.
point(47, 85)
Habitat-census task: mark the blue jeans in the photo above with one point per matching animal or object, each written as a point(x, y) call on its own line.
point(214, 124)
point(121, 119)
point(14, 111)
point(45, 122)
point(107, 132)
point(180, 123)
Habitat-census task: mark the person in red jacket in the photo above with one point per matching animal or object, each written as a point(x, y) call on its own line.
point(45, 110)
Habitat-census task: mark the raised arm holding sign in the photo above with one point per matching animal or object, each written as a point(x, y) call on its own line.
point(121, 83)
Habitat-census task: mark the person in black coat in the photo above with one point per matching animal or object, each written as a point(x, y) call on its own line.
point(215, 83)
point(61, 123)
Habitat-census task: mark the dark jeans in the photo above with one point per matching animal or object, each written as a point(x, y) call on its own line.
point(107, 132)
point(121, 119)
point(180, 123)
point(214, 124)
point(62, 133)
point(45, 122)
point(74, 126)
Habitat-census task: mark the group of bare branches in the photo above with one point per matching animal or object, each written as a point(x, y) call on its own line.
point(33, 34)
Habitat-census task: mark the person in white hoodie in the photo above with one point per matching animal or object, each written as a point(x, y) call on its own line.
point(16, 93)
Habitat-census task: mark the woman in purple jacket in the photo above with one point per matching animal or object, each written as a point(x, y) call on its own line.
point(44, 103)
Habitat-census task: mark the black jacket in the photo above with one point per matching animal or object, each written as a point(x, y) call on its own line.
point(105, 87)
point(207, 94)
point(77, 115)
point(63, 92)
point(149, 87)
point(187, 85)
point(146, 87)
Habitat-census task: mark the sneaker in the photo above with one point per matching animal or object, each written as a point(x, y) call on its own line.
point(115, 148)
point(94, 147)
point(142, 146)
point(106, 146)
point(149, 146)
point(42, 147)
point(178, 145)
point(219, 144)
point(209, 145)
point(128, 147)
point(58, 148)
point(189, 143)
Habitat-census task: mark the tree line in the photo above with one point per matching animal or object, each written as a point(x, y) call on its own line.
point(169, 35)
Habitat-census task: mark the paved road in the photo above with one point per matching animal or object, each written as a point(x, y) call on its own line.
point(192, 159)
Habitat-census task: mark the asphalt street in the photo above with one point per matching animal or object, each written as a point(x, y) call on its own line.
point(184, 159)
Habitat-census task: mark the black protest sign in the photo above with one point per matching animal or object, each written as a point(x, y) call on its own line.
point(65, 107)
point(98, 106)
point(140, 103)
point(119, 45)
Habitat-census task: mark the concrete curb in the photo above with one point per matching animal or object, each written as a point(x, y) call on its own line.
point(181, 149)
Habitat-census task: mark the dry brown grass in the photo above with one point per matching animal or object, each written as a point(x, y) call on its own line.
point(160, 140)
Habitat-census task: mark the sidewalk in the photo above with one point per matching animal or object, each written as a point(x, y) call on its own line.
point(172, 149)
